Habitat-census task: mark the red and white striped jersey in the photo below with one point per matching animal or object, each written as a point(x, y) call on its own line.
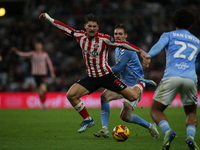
point(95, 50)
point(39, 62)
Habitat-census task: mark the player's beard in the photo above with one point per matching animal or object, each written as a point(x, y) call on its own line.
point(91, 34)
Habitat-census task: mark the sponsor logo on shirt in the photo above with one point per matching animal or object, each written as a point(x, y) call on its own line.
point(96, 45)
point(92, 53)
point(182, 65)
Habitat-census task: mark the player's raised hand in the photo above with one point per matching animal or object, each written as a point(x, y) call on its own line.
point(42, 15)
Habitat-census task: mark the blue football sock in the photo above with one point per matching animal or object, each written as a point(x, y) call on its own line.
point(105, 113)
point(164, 126)
point(191, 130)
point(137, 120)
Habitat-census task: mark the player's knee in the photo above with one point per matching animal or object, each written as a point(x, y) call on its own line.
point(70, 96)
point(104, 97)
point(43, 88)
point(124, 117)
point(133, 97)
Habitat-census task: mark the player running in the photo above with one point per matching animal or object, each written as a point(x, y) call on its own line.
point(180, 76)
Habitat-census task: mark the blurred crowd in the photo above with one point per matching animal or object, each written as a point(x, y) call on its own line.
point(145, 19)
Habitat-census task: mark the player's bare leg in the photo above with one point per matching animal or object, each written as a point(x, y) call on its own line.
point(191, 124)
point(73, 95)
point(127, 116)
point(42, 94)
point(160, 118)
point(131, 94)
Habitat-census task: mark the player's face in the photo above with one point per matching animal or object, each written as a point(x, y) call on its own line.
point(38, 46)
point(120, 35)
point(91, 28)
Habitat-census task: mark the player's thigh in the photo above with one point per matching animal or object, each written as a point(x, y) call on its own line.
point(188, 92)
point(190, 109)
point(167, 90)
point(76, 91)
point(108, 95)
point(129, 94)
point(43, 86)
point(157, 106)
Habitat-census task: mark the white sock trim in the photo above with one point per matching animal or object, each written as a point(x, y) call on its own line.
point(139, 86)
point(79, 106)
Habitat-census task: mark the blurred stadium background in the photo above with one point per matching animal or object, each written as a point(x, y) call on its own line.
point(20, 27)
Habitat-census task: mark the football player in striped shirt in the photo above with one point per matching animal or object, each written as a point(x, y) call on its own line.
point(94, 46)
point(181, 49)
point(40, 62)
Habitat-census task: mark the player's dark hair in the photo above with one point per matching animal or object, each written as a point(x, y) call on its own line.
point(92, 17)
point(183, 18)
point(121, 26)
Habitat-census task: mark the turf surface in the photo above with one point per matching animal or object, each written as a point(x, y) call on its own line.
point(35, 129)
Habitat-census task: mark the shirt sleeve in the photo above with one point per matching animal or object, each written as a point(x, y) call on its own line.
point(159, 46)
point(24, 54)
point(121, 61)
point(61, 26)
point(122, 44)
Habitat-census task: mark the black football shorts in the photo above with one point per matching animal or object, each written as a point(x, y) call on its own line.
point(109, 81)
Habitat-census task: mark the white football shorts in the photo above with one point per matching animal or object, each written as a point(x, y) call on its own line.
point(133, 103)
point(170, 87)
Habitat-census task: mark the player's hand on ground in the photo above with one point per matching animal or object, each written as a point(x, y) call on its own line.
point(146, 61)
point(42, 15)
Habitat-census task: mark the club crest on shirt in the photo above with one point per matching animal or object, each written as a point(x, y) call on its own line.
point(96, 45)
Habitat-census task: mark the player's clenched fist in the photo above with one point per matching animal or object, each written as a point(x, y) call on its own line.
point(43, 15)
point(146, 61)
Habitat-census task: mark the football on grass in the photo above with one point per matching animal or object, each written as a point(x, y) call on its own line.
point(121, 133)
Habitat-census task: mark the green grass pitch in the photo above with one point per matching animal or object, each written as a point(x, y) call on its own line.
point(35, 129)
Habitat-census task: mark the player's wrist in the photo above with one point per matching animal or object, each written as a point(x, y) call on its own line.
point(47, 17)
point(148, 56)
point(141, 51)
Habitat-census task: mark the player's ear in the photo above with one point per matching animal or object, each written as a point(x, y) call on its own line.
point(126, 35)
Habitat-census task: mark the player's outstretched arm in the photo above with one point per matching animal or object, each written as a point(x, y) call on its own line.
point(61, 26)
